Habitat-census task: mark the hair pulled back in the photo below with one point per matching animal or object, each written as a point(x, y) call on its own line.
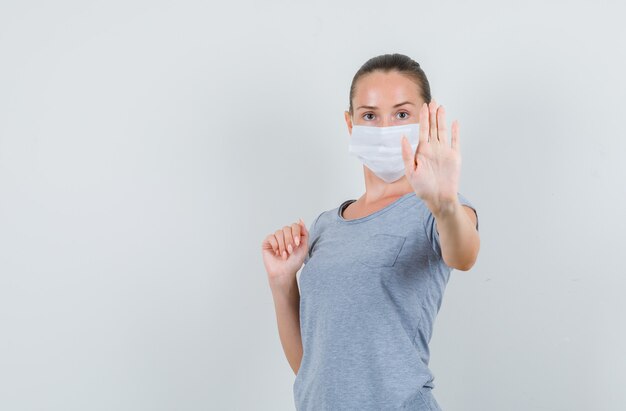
point(389, 62)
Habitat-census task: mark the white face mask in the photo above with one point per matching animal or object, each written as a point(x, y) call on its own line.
point(380, 148)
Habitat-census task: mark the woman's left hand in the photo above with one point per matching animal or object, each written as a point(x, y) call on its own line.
point(434, 169)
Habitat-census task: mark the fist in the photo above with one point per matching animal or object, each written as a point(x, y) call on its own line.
point(284, 251)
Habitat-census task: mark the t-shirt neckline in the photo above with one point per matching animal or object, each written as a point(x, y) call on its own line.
point(375, 214)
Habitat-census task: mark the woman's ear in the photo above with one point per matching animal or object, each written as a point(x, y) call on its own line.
point(346, 114)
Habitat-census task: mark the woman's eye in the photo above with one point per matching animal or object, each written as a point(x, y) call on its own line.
point(403, 115)
point(368, 114)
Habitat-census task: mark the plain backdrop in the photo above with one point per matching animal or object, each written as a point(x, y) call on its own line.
point(148, 147)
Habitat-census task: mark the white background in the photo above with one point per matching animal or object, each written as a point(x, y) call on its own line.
point(147, 148)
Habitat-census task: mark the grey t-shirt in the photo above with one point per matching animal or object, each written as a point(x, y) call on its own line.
point(370, 290)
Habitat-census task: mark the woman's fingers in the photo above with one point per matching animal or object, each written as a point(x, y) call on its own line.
point(284, 241)
point(408, 156)
point(271, 243)
point(304, 232)
point(280, 237)
point(289, 244)
point(455, 136)
point(432, 108)
point(295, 232)
point(442, 132)
point(423, 138)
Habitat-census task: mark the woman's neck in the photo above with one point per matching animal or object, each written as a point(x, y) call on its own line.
point(377, 190)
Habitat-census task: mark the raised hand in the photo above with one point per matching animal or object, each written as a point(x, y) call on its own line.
point(284, 251)
point(434, 169)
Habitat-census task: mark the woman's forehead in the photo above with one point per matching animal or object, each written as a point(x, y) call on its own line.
point(381, 89)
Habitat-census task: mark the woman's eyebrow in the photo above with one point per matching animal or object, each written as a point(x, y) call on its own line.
point(374, 107)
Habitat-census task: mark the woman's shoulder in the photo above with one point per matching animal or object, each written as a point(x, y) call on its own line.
point(325, 217)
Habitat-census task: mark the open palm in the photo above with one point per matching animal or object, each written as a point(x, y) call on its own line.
point(434, 169)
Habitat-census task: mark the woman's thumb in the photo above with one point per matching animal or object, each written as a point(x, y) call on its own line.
point(304, 231)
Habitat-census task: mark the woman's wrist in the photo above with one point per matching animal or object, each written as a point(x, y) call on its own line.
point(283, 285)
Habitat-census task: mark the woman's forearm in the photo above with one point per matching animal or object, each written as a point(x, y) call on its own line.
point(287, 305)
point(458, 236)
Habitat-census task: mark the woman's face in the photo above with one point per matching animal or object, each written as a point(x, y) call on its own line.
point(383, 100)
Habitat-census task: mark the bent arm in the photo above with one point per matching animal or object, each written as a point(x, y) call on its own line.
point(287, 305)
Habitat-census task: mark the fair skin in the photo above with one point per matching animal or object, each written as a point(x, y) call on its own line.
point(432, 172)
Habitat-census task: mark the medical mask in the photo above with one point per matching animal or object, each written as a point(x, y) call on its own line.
point(380, 148)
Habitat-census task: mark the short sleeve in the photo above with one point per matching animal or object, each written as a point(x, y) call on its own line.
point(430, 224)
point(313, 234)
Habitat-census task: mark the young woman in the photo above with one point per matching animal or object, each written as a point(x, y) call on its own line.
point(356, 330)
